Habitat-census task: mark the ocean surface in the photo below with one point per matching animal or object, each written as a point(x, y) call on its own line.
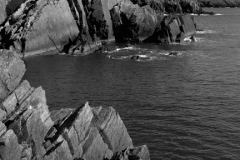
point(184, 107)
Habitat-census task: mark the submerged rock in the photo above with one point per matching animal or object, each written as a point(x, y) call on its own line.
point(29, 131)
point(135, 57)
point(173, 53)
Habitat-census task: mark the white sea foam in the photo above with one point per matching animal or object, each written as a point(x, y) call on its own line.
point(206, 32)
point(125, 48)
point(199, 39)
point(187, 39)
point(119, 57)
point(217, 14)
point(130, 48)
point(143, 56)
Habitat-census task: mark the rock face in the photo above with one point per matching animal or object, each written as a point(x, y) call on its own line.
point(79, 26)
point(173, 29)
point(11, 71)
point(219, 3)
point(28, 131)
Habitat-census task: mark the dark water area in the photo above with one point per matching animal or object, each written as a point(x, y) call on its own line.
point(184, 107)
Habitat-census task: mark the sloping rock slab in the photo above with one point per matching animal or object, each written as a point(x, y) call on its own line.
point(12, 70)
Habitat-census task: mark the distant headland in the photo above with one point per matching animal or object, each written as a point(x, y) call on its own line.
point(219, 3)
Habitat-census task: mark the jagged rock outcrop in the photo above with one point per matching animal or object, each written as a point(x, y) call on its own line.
point(28, 131)
point(133, 23)
point(190, 6)
point(79, 26)
point(11, 71)
point(173, 29)
point(219, 3)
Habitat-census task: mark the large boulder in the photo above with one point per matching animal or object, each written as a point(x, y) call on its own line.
point(133, 23)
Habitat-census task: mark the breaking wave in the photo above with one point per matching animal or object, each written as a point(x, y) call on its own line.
point(218, 14)
point(148, 55)
point(206, 32)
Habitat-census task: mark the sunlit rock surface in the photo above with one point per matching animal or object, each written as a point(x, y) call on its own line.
point(28, 131)
point(31, 27)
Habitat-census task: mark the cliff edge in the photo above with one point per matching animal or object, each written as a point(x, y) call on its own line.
point(28, 131)
point(31, 27)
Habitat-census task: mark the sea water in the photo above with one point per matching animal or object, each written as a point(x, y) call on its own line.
point(183, 107)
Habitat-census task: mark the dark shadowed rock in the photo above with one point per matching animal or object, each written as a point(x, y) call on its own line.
point(173, 53)
point(156, 5)
point(190, 6)
point(133, 23)
point(172, 6)
point(173, 28)
point(135, 57)
point(3, 128)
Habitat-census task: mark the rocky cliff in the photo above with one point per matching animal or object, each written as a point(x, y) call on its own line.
point(28, 131)
point(80, 26)
point(219, 3)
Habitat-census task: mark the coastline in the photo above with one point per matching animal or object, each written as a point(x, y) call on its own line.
point(78, 30)
point(75, 28)
point(29, 130)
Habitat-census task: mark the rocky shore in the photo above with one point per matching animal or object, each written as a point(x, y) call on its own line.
point(28, 131)
point(32, 27)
